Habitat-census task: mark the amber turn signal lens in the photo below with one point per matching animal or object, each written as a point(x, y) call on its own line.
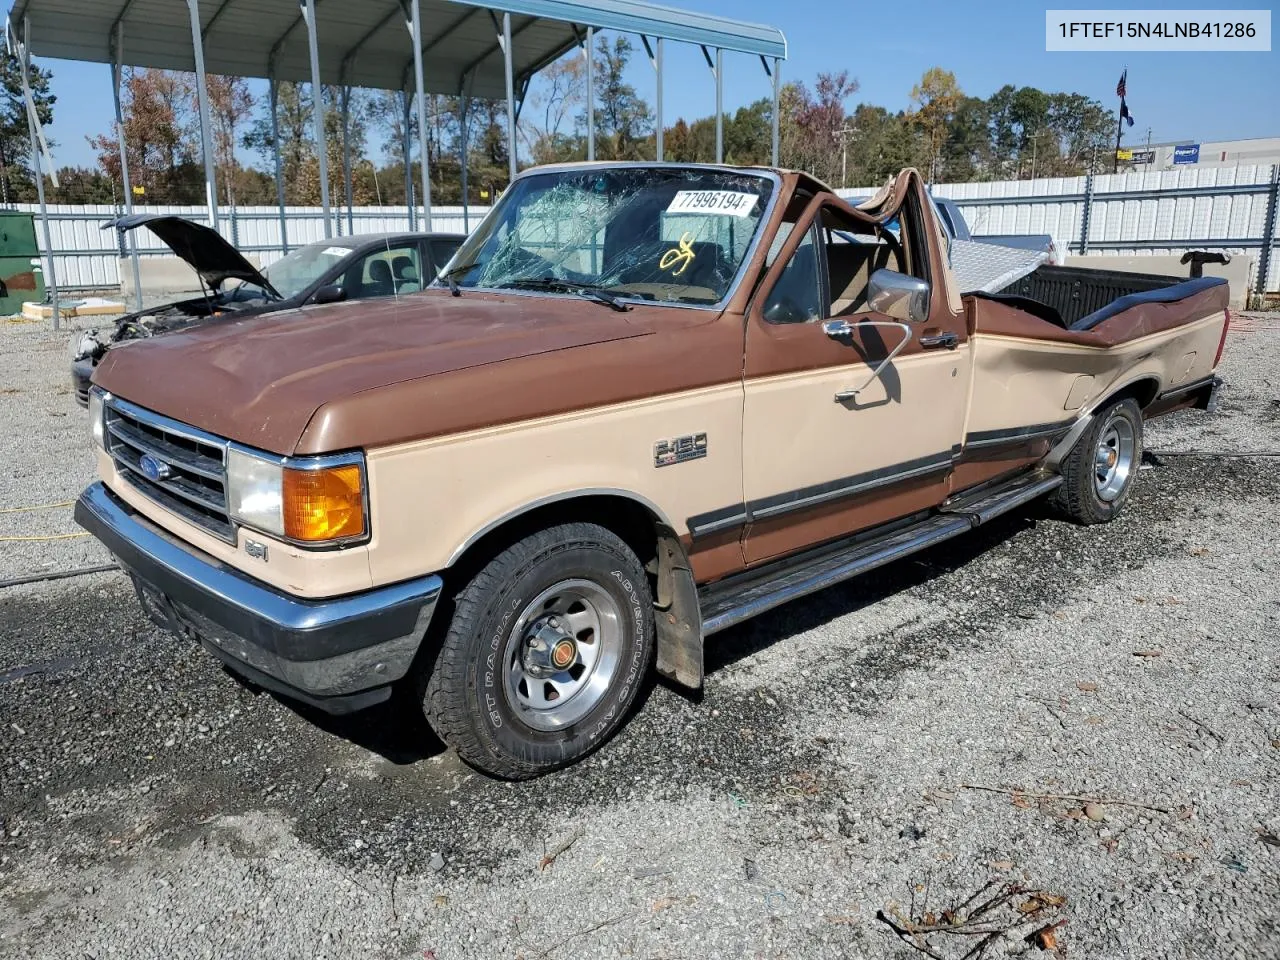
point(323, 504)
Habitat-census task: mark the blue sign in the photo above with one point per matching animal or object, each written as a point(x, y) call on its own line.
point(1187, 154)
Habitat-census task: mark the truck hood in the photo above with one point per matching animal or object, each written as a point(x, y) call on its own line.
point(213, 259)
point(260, 380)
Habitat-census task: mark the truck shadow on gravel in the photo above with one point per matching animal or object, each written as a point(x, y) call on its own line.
point(152, 736)
point(1047, 558)
point(876, 586)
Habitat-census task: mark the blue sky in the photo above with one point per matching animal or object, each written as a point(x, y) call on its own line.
point(887, 46)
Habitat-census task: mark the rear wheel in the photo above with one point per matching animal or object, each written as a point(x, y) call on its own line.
point(545, 654)
point(1098, 473)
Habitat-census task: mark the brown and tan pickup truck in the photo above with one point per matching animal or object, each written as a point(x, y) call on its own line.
point(643, 403)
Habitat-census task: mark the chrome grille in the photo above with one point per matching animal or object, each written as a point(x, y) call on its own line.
point(194, 461)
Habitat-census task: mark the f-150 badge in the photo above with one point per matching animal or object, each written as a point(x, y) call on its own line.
point(679, 449)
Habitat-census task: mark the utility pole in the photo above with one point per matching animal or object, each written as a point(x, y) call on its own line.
point(843, 135)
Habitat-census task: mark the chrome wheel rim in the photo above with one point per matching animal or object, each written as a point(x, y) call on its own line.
point(562, 653)
point(1113, 460)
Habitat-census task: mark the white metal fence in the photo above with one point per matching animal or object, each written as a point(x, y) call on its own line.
point(87, 257)
point(1135, 214)
point(1161, 212)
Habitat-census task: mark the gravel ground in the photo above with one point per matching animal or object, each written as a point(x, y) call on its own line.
point(154, 807)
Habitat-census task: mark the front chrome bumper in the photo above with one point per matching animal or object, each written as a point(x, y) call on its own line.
point(337, 654)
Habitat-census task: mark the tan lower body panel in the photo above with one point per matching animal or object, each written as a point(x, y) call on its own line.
point(433, 498)
point(1022, 382)
point(815, 468)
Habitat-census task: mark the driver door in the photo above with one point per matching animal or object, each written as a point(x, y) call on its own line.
point(829, 446)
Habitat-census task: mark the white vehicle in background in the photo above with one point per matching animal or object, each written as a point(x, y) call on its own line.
point(951, 217)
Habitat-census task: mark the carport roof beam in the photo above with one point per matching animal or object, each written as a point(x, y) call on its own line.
point(239, 36)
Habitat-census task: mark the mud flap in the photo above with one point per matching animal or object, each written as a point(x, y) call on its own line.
point(677, 617)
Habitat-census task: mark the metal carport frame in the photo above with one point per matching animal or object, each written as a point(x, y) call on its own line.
point(468, 48)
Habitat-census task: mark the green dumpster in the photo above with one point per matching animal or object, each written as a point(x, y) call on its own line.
point(21, 277)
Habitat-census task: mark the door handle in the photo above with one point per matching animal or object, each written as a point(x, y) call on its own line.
point(946, 340)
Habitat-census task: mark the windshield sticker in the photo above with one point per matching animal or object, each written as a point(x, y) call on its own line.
point(725, 202)
point(682, 254)
point(335, 251)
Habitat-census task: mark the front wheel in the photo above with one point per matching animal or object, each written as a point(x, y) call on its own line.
point(1098, 473)
point(547, 649)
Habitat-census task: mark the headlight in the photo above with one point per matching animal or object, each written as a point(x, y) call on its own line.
point(309, 501)
point(84, 344)
point(96, 410)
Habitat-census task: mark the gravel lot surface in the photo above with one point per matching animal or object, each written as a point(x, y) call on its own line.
point(152, 806)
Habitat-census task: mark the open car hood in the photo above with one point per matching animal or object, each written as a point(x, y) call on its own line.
point(209, 255)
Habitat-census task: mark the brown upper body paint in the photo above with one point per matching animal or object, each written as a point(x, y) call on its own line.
point(448, 395)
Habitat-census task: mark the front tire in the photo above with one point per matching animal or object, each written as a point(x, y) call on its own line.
point(547, 649)
point(1098, 473)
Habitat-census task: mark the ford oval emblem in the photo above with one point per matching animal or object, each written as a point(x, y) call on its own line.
point(153, 468)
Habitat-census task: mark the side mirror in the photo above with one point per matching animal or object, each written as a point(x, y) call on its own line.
point(329, 293)
point(899, 296)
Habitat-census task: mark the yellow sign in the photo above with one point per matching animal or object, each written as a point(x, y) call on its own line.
point(1123, 154)
point(138, 190)
point(682, 254)
point(484, 194)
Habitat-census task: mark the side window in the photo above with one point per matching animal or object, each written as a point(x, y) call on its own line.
point(856, 250)
point(385, 272)
point(797, 296)
point(442, 251)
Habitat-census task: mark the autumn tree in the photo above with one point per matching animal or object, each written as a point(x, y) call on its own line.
point(549, 108)
point(161, 125)
point(297, 147)
point(936, 98)
point(230, 107)
point(622, 117)
point(812, 123)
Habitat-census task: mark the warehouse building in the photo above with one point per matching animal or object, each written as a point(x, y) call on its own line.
point(1214, 153)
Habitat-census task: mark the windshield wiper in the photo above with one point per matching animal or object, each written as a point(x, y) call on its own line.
point(587, 290)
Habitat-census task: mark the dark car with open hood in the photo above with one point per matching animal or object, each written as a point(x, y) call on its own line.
point(342, 268)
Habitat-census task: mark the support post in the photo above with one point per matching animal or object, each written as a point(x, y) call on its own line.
point(464, 148)
point(273, 94)
point(36, 168)
point(591, 93)
point(407, 152)
point(511, 95)
point(415, 29)
point(117, 60)
point(317, 111)
point(346, 158)
point(1269, 231)
point(656, 59)
point(206, 124)
point(1086, 213)
point(719, 105)
point(777, 105)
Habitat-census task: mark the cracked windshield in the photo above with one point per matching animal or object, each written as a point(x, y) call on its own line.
point(659, 234)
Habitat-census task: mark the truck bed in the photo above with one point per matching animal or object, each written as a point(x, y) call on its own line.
point(1074, 293)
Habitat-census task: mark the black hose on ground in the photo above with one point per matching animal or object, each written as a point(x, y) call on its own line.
point(1213, 454)
point(57, 575)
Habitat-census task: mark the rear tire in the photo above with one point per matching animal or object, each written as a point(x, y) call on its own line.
point(546, 651)
point(1098, 473)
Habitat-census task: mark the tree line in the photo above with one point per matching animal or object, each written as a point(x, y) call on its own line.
point(1016, 133)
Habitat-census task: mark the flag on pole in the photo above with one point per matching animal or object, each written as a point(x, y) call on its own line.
point(1125, 114)
point(1120, 87)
